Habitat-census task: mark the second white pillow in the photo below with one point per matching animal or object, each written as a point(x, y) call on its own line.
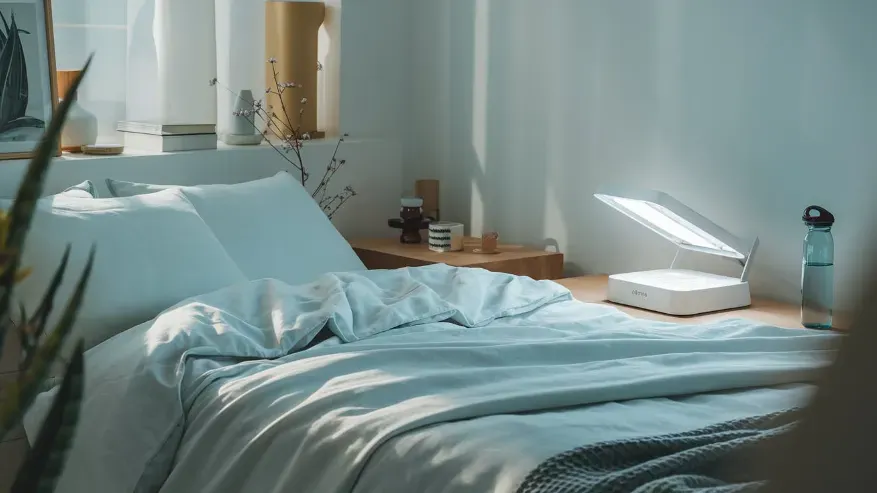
point(271, 228)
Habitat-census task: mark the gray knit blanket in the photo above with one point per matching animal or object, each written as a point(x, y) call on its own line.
point(693, 461)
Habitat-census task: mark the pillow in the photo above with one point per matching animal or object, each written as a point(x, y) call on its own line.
point(85, 190)
point(271, 228)
point(152, 251)
point(119, 188)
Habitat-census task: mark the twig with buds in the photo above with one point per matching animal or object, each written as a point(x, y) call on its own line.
point(291, 140)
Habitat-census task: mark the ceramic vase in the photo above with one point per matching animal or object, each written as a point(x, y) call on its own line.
point(81, 126)
point(291, 40)
point(241, 129)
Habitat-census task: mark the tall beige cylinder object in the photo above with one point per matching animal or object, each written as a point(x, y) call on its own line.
point(291, 38)
point(429, 191)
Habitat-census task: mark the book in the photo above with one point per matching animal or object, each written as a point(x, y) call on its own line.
point(153, 128)
point(169, 143)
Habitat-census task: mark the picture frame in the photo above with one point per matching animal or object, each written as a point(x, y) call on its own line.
point(28, 80)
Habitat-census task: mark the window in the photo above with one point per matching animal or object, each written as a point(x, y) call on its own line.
point(121, 82)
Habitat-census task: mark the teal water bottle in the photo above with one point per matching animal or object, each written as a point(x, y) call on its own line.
point(817, 269)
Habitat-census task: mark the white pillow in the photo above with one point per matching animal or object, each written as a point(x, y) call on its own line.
point(152, 251)
point(271, 228)
point(85, 190)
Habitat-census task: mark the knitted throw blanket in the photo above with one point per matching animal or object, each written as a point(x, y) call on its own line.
point(694, 461)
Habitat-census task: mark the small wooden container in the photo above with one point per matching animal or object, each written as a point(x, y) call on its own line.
point(103, 149)
point(429, 191)
point(489, 244)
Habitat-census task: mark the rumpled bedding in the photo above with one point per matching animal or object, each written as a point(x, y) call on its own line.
point(222, 393)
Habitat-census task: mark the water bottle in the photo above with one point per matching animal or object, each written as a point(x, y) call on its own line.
point(817, 269)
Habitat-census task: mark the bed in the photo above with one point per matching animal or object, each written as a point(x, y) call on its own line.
point(428, 379)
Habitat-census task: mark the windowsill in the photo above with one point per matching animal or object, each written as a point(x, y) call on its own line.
point(315, 144)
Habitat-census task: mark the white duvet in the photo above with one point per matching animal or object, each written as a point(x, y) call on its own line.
point(436, 379)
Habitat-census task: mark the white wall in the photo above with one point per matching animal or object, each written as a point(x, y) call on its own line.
point(375, 78)
point(746, 110)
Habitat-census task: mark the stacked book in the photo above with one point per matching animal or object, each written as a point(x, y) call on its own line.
point(161, 137)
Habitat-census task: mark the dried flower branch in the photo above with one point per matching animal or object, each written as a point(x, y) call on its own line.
point(288, 139)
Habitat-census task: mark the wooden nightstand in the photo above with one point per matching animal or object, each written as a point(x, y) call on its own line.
point(593, 289)
point(389, 253)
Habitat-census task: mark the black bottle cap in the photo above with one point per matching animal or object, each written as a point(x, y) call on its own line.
point(817, 216)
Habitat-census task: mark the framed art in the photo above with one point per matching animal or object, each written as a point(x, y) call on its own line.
point(28, 89)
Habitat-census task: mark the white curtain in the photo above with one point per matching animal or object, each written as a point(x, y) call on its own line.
point(176, 46)
point(185, 42)
point(240, 53)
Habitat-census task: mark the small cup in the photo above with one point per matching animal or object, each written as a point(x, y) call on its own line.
point(489, 242)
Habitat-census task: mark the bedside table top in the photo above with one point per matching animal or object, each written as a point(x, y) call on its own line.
point(466, 258)
point(593, 289)
point(389, 253)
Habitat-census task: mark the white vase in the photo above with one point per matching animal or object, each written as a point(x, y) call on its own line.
point(81, 128)
point(241, 129)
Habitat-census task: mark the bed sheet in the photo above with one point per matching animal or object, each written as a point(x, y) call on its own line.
point(493, 454)
point(428, 368)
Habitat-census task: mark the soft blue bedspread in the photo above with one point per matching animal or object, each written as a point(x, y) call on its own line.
point(223, 393)
point(708, 460)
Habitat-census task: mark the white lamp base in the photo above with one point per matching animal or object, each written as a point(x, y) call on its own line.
point(678, 291)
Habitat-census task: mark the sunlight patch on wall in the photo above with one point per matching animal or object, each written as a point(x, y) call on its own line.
point(477, 211)
point(480, 80)
point(554, 226)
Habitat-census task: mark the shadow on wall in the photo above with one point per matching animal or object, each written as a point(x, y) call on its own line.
point(520, 140)
point(491, 127)
point(745, 111)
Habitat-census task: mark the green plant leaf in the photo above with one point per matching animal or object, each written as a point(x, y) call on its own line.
point(22, 333)
point(45, 462)
point(40, 316)
point(22, 393)
point(30, 189)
